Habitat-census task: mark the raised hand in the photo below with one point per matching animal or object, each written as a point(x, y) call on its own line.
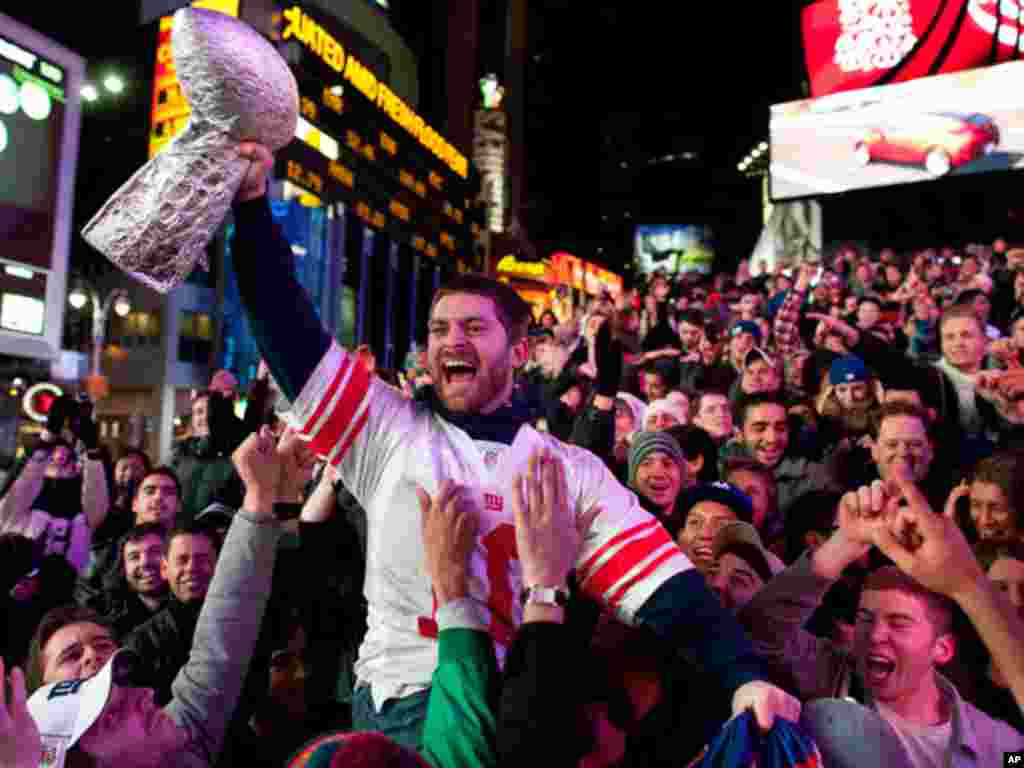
point(21, 746)
point(449, 527)
point(859, 514)
point(548, 533)
point(254, 183)
point(805, 276)
point(963, 489)
point(258, 464)
point(928, 547)
point(297, 462)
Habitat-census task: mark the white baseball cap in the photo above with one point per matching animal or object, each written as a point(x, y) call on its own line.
point(64, 711)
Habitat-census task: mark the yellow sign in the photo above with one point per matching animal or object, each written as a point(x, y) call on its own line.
point(535, 270)
point(170, 110)
point(320, 42)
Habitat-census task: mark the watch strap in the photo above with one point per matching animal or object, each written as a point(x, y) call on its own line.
point(541, 595)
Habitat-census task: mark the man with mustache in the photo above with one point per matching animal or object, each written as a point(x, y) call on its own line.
point(472, 428)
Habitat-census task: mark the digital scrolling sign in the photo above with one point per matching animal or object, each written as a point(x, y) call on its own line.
point(361, 144)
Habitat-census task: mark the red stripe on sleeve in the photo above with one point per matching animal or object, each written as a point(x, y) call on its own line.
point(356, 429)
point(346, 363)
point(651, 568)
point(614, 541)
point(344, 411)
point(625, 560)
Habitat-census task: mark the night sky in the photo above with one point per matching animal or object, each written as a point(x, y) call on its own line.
point(613, 89)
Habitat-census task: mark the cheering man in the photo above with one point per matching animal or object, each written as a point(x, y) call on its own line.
point(471, 428)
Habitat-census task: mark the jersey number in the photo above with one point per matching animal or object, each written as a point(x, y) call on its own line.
point(500, 546)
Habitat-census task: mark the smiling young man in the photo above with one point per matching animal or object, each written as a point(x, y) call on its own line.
point(903, 635)
point(764, 434)
point(472, 428)
point(139, 589)
point(657, 471)
point(165, 640)
point(705, 509)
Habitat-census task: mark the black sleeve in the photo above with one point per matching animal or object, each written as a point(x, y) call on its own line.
point(685, 614)
point(539, 699)
point(594, 430)
point(256, 408)
point(287, 329)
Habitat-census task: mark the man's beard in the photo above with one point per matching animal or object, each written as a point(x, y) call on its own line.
point(858, 418)
point(488, 383)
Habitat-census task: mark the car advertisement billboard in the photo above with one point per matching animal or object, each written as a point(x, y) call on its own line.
point(947, 125)
point(853, 44)
point(673, 248)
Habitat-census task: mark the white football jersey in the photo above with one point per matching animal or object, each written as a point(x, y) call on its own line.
point(385, 445)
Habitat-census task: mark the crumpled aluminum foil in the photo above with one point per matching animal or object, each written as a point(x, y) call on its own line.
point(157, 226)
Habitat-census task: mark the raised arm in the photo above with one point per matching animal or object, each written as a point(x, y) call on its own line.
point(206, 690)
point(460, 726)
point(287, 329)
point(15, 504)
point(932, 549)
point(776, 615)
point(95, 491)
point(787, 319)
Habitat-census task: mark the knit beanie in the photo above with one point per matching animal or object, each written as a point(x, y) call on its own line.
point(667, 405)
point(646, 443)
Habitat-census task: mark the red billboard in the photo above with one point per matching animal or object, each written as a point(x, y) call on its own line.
point(852, 44)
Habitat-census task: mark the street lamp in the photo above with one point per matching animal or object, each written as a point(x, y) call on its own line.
point(113, 83)
point(118, 299)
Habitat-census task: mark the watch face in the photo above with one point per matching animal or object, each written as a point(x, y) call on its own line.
point(545, 596)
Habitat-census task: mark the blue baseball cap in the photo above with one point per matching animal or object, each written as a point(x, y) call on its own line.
point(847, 370)
point(747, 326)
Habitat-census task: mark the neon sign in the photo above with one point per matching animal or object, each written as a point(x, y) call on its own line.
point(301, 27)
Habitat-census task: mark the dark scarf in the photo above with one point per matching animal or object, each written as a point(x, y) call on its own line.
point(498, 427)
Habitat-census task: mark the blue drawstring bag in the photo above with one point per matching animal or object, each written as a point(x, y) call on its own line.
point(741, 744)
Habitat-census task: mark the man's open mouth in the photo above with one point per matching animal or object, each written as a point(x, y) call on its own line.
point(878, 669)
point(458, 371)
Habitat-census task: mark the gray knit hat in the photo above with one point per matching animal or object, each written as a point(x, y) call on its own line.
point(645, 443)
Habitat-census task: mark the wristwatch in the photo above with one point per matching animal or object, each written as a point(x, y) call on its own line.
point(537, 595)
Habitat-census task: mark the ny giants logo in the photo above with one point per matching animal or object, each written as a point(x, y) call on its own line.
point(493, 502)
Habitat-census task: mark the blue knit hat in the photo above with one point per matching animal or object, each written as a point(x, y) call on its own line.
point(747, 326)
point(645, 443)
point(847, 369)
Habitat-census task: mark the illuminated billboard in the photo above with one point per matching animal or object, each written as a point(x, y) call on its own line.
point(39, 123)
point(853, 44)
point(673, 248)
point(170, 111)
point(947, 125)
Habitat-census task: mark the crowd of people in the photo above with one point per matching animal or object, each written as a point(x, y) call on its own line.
point(589, 542)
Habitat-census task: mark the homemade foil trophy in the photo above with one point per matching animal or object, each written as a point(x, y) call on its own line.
point(157, 226)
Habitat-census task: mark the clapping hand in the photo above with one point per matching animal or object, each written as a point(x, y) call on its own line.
point(449, 527)
point(21, 746)
point(549, 535)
